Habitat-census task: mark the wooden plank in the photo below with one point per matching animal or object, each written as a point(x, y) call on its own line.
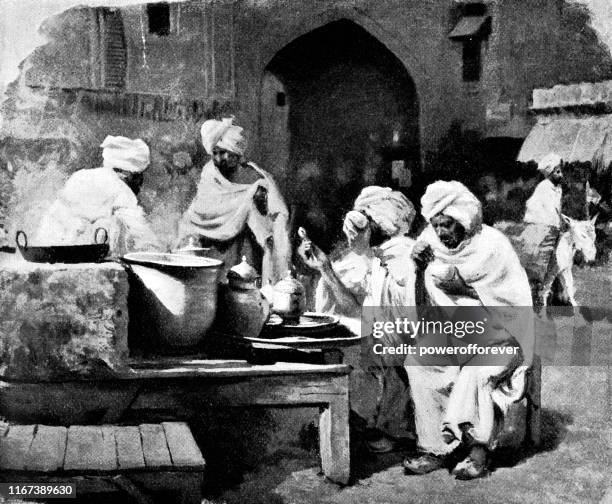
point(109, 446)
point(129, 448)
point(47, 450)
point(203, 370)
point(265, 391)
point(184, 450)
point(154, 446)
point(88, 448)
point(15, 445)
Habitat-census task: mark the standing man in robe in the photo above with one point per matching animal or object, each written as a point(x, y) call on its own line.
point(544, 224)
point(106, 198)
point(238, 209)
point(465, 263)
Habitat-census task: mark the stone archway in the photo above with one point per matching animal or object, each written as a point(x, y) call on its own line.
point(339, 112)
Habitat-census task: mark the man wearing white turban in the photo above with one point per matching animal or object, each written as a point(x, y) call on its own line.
point(377, 272)
point(378, 224)
point(544, 205)
point(462, 263)
point(103, 197)
point(544, 224)
point(238, 209)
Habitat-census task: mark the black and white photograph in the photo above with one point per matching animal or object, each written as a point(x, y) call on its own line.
point(306, 251)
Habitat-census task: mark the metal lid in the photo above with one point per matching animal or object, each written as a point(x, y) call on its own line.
point(289, 285)
point(243, 271)
point(192, 246)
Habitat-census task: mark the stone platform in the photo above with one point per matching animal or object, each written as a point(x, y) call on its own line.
point(62, 321)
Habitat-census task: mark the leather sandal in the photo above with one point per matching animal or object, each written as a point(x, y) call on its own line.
point(423, 464)
point(469, 469)
point(381, 445)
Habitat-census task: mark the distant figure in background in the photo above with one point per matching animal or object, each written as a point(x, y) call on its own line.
point(238, 210)
point(103, 197)
point(544, 226)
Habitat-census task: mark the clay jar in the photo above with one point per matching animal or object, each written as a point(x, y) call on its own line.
point(244, 310)
point(289, 299)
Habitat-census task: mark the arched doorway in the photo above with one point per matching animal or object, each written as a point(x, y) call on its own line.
point(339, 112)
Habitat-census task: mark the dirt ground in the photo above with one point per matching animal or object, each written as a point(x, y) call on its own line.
point(572, 466)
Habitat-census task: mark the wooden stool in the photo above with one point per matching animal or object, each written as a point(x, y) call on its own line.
point(156, 457)
point(523, 421)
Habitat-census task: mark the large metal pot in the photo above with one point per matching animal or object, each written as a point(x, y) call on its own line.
point(175, 297)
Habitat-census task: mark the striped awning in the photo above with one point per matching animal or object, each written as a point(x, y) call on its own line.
point(572, 138)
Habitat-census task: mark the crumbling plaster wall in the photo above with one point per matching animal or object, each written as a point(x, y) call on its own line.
point(532, 44)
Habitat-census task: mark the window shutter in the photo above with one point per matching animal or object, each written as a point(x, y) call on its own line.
point(113, 60)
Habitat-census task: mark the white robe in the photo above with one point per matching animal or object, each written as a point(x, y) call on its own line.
point(540, 237)
point(91, 199)
point(222, 210)
point(487, 263)
point(383, 278)
point(544, 205)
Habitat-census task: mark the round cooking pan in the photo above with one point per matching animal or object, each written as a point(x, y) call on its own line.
point(95, 252)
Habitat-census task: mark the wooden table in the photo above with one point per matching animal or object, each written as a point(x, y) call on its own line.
point(172, 384)
point(237, 383)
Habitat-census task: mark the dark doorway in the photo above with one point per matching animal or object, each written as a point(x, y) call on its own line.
point(350, 108)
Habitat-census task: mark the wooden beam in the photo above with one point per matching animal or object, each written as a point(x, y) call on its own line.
point(89, 448)
point(201, 369)
point(334, 441)
point(183, 448)
point(129, 448)
point(15, 446)
point(154, 446)
point(48, 449)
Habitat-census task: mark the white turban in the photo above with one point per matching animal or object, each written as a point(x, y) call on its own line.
point(454, 200)
point(389, 209)
point(125, 154)
point(223, 134)
point(353, 223)
point(548, 163)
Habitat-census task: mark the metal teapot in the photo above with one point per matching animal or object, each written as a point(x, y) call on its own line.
point(289, 299)
point(243, 310)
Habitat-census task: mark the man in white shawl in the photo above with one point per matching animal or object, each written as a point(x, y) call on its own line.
point(544, 224)
point(376, 271)
point(238, 210)
point(466, 263)
point(103, 198)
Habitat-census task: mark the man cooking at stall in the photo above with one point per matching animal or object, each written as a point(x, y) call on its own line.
point(103, 198)
point(238, 209)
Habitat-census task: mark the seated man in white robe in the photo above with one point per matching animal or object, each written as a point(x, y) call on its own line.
point(543, 227)
point(238, 210)
point(103, 198)
point(376, 271)
point(466, 263)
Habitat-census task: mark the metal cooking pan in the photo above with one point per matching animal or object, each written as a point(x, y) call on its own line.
point(95, 252)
